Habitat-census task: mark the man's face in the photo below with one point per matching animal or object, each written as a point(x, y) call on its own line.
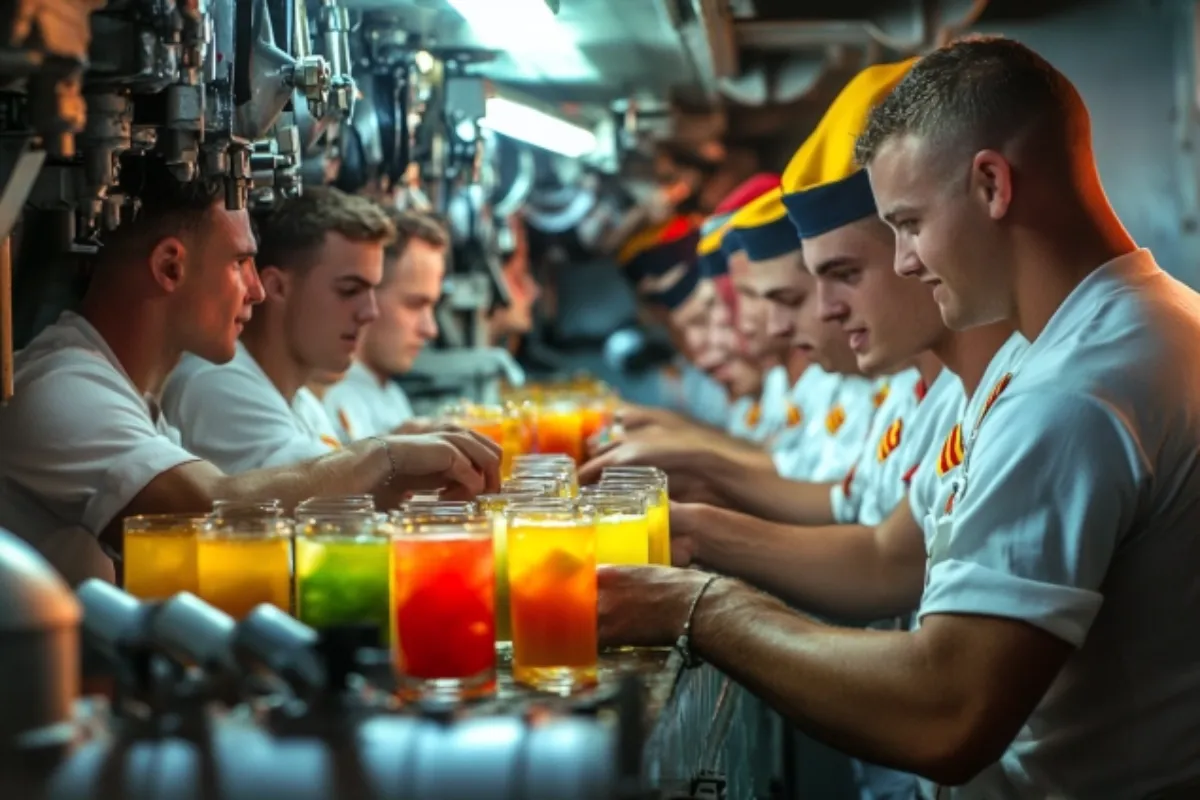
point(523, 289)
point(887, 319)
point(946, 231)
point(406, 305)
point(793, 313)
point(752, 308)
point(327, 305)
point(690, 320)
point(219, 285)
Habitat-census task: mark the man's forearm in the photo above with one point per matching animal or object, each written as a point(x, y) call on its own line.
point(359, 468)
point(839, 571)
point(876, 695)
point(753, 486)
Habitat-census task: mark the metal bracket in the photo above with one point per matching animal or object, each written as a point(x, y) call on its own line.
point(707, 785)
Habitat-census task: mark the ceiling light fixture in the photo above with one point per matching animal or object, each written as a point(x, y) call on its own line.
point(538, 128)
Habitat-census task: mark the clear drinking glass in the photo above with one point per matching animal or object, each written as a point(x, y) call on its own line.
point(443, 590)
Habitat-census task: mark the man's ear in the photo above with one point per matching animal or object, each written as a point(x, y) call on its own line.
point(991, 182)
point(277, 283)
point(168, 263)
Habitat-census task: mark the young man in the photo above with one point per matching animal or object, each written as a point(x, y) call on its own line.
point(1054, 654)
point(85, 443)
point(367, 402)
point(793, 482)
point(516, 319)
point(320, 258)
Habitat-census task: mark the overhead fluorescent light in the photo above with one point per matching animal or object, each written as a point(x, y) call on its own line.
point(538, 128)
point(509, 23)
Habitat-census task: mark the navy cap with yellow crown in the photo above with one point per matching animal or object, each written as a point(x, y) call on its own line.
point(763, 229)
point(823, 186)
point(712, 234)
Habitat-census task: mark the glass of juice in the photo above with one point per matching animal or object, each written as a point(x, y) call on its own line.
point(247, 508)
point(495, 506)
point(552, 594)
point(622, 524)
point(443, 594)
point(242, 562)
point(160, 554)
point(653, 481)
point(562, 472)
point(342, 571)
point(560, 430)
point(335, 503)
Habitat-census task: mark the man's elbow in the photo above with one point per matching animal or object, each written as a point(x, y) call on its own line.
point(963, 749)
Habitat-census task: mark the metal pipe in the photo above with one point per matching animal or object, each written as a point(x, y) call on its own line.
point(6, 321)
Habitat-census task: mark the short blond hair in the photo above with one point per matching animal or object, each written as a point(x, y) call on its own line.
point(410, 226)
point(290, 232)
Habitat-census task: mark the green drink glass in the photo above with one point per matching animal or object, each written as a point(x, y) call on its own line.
point(342, 571)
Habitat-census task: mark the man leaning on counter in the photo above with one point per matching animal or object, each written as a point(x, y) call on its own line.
point(85, 440)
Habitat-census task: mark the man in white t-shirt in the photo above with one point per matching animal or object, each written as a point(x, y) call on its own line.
point(368, 402)
point(1055, 654)
point(792, 481)
point(84, 441)
point(320, 259)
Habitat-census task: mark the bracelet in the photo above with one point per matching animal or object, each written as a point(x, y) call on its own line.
point(391, 461)
point(683, 643)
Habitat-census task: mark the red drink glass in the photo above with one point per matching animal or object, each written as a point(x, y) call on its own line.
point(444, 583)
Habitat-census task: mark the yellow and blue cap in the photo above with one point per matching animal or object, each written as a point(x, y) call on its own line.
point(823, 186)
point(763, 229)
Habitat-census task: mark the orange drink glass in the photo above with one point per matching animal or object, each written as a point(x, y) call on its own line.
point(160, 554)
point(243, 562)
point(658, 510)
point(552, 594)
point(560, 430)
point(443, 593)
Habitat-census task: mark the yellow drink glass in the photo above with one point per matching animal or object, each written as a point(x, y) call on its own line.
point(496, 507)
point(160, 554)
point(622, 525)
point(244, 562)
point(552, 595)
point(658, 510)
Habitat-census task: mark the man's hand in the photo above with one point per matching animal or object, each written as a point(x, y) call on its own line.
point(635, 417)
point(687, 530)
point(461, 463)
point(418, 425)
point(671, 451)
point(644, 606)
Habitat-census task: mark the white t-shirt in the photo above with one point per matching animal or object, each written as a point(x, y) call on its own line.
point(362, 406)
point(901, 436)
point(701, 397)
point(77, 444)
point(311, 412)
point(838, 411)
point(1077, 510)
point(232, 415)
point(761, 420)
point(931, 485)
